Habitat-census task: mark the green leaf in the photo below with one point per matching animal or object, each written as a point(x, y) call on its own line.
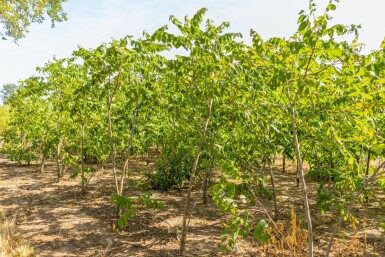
point(257, 233)
point(120, 223)
point(383, 44)
point(303, 25)
point(263, 223)
point(331, 7)
point(260, 231)
point(382, 225)
point(301, 18)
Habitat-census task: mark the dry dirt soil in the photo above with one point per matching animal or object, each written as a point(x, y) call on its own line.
point(58, 220)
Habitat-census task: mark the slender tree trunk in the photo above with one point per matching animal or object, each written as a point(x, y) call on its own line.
point(83, 177)
point(129, 145)
point(303, 182)
point(193, 171)
point(58, 160)
point(44, 155)
point(284, 163)
point(42, 166)
point(205, 182)
point(368, 164)
point(111, 135)
point(58, 150)
point(276, 212)
point(89, 179)
point(330, 169)
point(204, 187)
point(367, 171)
point(297, 174)
point(361, 155)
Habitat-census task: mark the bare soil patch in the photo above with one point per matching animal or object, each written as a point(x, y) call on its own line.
point(60, 221)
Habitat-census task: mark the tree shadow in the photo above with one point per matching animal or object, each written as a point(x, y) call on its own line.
point(59, 220)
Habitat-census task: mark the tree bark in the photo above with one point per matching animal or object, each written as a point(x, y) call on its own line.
point(83, 177)
point(193, 171)
point(284, 163)
point(44, 155)
point(129, 145)
point(42, 166)
point(276, 212)
point(58, 161)
point(205, 182)
point(112, 147)
point(58, 150)
point(367, 171)
point(297, 174)
point(303, 182)
point(204, 188)
point(368, 164)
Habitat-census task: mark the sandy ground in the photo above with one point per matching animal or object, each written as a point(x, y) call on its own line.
point(60, 221)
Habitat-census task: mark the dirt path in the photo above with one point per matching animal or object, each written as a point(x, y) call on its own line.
point(59, 221)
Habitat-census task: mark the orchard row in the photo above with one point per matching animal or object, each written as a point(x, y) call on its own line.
point(220, 105)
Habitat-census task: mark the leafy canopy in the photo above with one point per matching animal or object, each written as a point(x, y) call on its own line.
point(17, 16)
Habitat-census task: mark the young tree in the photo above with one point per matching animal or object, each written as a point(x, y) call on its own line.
point(200, 82)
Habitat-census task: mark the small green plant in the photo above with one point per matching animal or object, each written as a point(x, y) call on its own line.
point(323, 175)
point(141, 185)
point(74, 174)
point(21, 155)
point(382, 225)
point(172, 169)
point(261, 231)
point(127, 207)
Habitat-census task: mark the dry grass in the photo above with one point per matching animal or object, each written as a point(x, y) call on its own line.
point(289, 240)
point(10, 242)
point(295, 236)
point(351, 245)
